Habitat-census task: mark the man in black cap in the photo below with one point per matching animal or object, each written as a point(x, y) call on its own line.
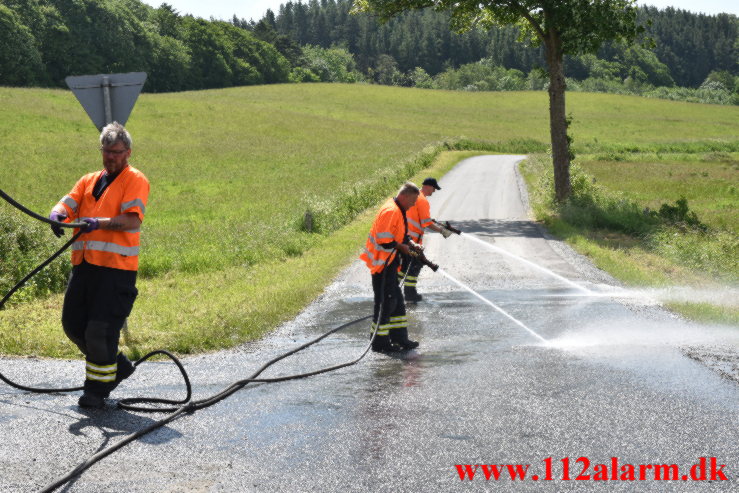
point(419, 218)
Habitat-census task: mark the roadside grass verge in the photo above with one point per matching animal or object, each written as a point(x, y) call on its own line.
point(190, 313)
point(234, 171)
point(624, 215)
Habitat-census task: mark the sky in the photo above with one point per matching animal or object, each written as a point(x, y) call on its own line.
point(255, 9)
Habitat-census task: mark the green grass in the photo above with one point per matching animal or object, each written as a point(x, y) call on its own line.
point(709, 181)
point(233, 172)
point(207, 311)
point(641, 250)
point(706, 312)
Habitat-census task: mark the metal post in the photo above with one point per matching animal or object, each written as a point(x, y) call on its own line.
point(106, 100)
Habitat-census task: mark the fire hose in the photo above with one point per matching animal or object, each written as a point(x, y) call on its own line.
point(186, 405)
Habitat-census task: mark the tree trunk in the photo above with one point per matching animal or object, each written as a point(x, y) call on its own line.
point(557, 117)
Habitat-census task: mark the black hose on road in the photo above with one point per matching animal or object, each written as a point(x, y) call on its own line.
point(186, 405)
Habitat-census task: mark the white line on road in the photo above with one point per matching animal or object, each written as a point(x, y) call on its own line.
point(516, 321)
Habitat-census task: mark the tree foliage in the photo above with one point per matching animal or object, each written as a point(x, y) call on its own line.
point(43, 41)
point(562, 27)
point(330, 64)
point(20, 62)
point(422, 38)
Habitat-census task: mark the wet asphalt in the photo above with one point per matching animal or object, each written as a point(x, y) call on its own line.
point(618, 376)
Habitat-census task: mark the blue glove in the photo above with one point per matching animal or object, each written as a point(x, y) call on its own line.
point(58, 217)
point(92, 223)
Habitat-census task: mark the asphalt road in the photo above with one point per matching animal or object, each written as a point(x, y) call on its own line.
point(618, 377)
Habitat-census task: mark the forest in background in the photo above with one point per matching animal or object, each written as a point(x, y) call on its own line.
point(685, 56)
point(43, 41)
point(682, 55)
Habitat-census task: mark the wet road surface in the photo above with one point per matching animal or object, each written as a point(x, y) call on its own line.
point(617, 377)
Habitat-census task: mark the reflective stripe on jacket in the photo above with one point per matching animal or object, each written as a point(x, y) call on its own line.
point(419, 218)
point(389, 226)
point(129, 192)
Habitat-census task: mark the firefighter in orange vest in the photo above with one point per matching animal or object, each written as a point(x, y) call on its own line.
point(387, 237)
point(419, 218)
point(102, 287)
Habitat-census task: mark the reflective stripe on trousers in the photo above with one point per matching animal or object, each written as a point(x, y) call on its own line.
point(399, 322)
point(101, 373)
point(409, 280)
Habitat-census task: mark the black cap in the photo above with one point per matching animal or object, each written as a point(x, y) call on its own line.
point(432, 182)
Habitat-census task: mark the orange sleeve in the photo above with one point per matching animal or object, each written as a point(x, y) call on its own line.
point(73, 199)
point(389, 226)
point(424, 212)
point(136, 195)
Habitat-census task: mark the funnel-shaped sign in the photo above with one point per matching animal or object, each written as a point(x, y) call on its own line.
point(107, 97)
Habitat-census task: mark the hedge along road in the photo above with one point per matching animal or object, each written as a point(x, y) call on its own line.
point(617, 377)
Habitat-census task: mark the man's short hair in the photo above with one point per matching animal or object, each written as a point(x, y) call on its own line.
point(409, 188)
point(113, 133)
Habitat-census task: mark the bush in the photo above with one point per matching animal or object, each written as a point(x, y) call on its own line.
point(24, 244)
point(331, 64)
point(680, 214)
point(419, 78)
point(302, 74)
point(481, 76)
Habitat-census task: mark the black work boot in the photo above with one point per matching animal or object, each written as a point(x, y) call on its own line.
point(91, 400)
point(382, 344)
point(400, 337)
point(125, 368)
point(411, 295)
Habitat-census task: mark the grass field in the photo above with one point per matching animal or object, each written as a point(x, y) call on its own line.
point(709, 181)
point(234, 171)
point(661, 255)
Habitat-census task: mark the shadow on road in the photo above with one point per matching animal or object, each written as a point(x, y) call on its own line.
point(112, 422)
point(497, 227)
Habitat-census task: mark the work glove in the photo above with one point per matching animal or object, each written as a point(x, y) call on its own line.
point(415, 247)
point(92, 223)
point(58, 217)
point(445, 232)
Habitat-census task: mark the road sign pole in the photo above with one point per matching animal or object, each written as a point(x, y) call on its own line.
point(106, 100)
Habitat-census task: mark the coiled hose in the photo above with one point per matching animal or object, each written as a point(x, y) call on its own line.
point(175, 408)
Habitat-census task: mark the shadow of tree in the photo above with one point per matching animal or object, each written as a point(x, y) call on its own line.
point(497, 227)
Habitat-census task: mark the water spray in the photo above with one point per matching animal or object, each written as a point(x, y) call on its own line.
point(499, 309)
point(528, 262)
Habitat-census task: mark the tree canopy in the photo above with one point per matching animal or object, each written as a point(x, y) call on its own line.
point(422, 38)
point(43, 41)
point(560, 26)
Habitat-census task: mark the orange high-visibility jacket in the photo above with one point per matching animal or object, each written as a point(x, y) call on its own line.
point(389, 226)
point(129, 192)
point(419, 218)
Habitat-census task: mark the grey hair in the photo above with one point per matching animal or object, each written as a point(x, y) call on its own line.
point(113, 133)
point(409, 188)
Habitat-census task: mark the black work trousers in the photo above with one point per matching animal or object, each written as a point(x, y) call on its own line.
point(388, 294)
point(96, 304)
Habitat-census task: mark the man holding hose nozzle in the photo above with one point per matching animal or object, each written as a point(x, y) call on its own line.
point(387, 237)
point(102, 286)
point(419, 218)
